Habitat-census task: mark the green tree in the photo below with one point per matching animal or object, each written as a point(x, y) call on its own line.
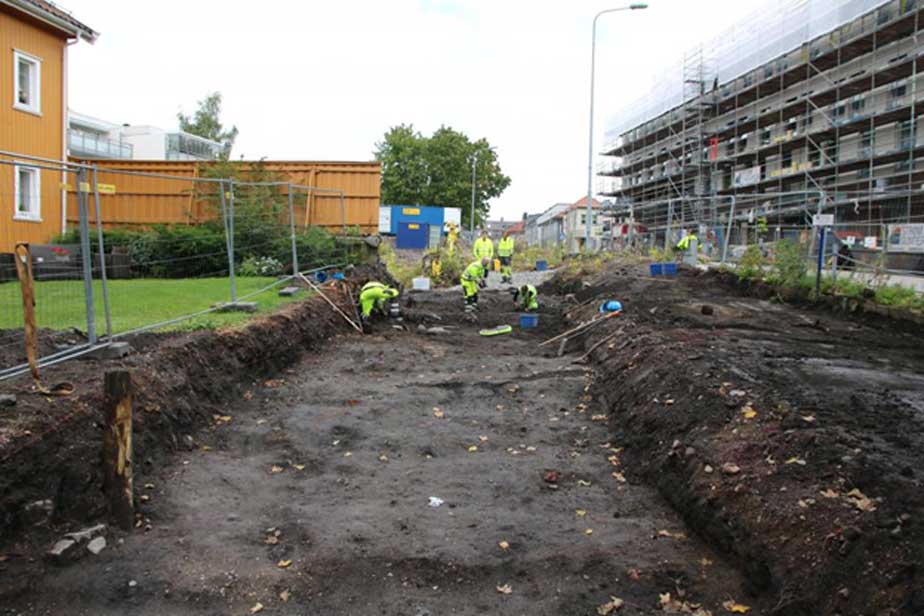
point(206, 122)
point(437, 170)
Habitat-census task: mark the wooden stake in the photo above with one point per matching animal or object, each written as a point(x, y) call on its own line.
point(317, 289)
point(117, 447)
point(561, 347)
point(582, 327)
point(23, 257)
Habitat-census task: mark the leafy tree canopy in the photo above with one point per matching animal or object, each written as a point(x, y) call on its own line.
point(437, 170)
point(206, 122)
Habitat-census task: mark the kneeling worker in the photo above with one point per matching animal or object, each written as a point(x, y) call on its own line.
point(373, 296)
point(473, 277)
point(526, 298)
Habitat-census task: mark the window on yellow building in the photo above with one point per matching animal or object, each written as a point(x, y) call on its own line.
point(28, 196)
point(27, 77)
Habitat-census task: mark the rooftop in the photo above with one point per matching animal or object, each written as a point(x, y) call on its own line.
point(50, 13)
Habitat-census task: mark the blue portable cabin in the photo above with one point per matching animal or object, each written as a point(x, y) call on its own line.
point(411, 224)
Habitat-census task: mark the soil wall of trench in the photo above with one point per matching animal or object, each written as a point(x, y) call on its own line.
point(179, 384)
point(812, 487)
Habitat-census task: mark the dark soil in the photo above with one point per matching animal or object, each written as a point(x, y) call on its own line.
point(789, 440)
point(792, 438)
point(311, 493)
point(50, 446)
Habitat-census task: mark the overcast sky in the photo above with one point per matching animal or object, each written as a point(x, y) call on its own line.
point(324, 80)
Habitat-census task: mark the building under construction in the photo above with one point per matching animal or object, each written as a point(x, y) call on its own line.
point(809, 106)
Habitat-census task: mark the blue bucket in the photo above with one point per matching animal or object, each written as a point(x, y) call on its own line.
point(670, 269)
point(529, 321)
point(656, 269)
point(320, 276)
point(541, 266)
point(338, 276)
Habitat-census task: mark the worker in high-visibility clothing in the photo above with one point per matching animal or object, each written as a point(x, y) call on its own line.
point(484, 247)
point(684, 242)
point(526, 298)
point(473, 278)
point(505, 253)
point(372, 297)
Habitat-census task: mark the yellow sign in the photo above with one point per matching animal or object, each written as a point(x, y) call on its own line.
point(413, 226)
point(104, 189)
point(411, 211)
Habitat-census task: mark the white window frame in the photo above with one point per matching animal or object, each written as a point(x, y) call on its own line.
point(34, 214)
point(36, 83)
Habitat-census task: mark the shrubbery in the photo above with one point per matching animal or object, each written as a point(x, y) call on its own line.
point(190, 251)
point(259, 266)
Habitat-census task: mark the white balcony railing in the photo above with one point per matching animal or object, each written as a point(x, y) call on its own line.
point(81, 143)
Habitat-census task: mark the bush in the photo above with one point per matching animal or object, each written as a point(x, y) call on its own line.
point(899, 297)
point(750, 267)
point(189, 251)
point(525, 257)
point(260, 266)
point(789, 265)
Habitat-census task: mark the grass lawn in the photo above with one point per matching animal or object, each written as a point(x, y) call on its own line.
point(136, 303)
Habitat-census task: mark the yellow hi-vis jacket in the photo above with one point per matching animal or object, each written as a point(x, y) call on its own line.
point(484, 247)
point(474, 272)
point(684, 242)
point(505, 247)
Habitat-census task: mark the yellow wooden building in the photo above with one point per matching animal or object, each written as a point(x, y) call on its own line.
point(34, 39)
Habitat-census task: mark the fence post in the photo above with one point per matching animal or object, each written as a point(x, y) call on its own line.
point(292, 231)
point(104, 281)
point(667, 229)
point(731, 218)
point(343, 212)
point(821, 261)
point(83, 189)
point(227, 214)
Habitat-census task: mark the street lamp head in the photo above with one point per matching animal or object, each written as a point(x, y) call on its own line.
point(638, 6)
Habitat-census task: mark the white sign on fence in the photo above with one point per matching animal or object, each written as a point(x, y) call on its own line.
point(384, 219)
point(906, 237)
point(452, 214)
point(870, 241)
point(822, 220)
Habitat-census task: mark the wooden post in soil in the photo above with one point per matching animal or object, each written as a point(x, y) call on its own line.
point(23, 257)
point(117, 447)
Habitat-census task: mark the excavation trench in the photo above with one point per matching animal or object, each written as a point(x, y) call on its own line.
point(715, 450)
point(400, 473)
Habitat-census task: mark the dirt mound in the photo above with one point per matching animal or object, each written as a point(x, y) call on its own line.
point(793, 439)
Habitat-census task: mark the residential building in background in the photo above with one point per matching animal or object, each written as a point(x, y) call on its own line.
point(564, 225)
point(496, 228)
point(574, 226)
point(90, 138)
point(808, 105)
point(34, 39)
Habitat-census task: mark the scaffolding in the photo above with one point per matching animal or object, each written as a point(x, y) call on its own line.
point(804, 97)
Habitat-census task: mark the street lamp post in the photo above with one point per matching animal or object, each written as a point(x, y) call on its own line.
point(472, 221)
point(590, 144)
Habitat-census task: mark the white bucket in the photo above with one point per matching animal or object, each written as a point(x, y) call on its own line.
point(421, 284)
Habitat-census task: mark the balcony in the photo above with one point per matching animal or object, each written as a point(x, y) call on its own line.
point(184, 146)
point(609, 166)
point(91, 145)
